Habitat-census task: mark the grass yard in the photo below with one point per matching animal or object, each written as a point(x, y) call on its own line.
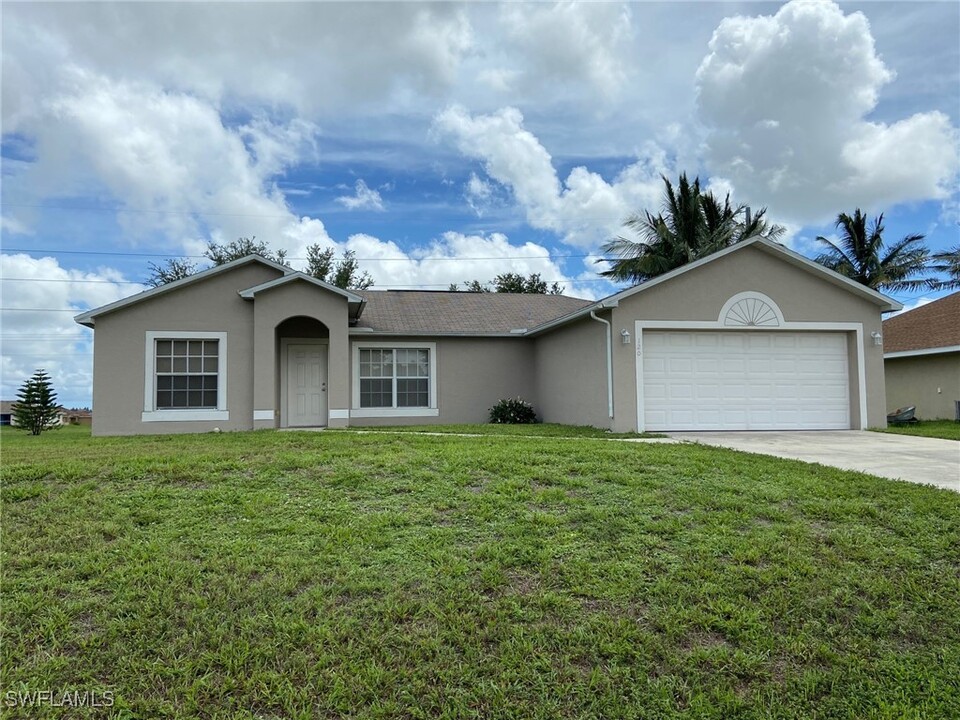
point(946, 429)
point(346, 575)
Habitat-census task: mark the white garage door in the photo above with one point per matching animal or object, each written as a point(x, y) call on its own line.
point(705, 380)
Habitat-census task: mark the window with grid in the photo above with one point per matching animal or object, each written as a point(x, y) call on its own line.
point(394, 377)
point(187, 373)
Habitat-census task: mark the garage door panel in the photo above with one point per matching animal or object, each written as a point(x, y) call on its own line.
point(708, 392)
point(734, 380)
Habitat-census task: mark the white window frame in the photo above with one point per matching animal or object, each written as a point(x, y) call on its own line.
point(150, 411)
point(431, 411)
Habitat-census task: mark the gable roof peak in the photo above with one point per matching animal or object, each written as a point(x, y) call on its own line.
point(88, 317)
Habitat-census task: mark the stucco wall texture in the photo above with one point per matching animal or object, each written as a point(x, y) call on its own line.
point(931, 382)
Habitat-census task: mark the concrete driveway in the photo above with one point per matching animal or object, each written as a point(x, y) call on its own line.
point(928, 461)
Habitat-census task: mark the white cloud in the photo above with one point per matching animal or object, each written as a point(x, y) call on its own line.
point(580, 47)
point(478, 193)
point(455, 258)
point(585, 209)
point(786, 99)
point(169, 162)
point(13, 226)
point(39, 299)
point(314, 57)
point(364, 198)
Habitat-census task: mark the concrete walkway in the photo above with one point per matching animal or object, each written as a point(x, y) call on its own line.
point(927, 461)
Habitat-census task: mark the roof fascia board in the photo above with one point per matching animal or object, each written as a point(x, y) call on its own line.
point(570, 317)
point(924, 351)
point(804, 262)
point(887, 304)
point(87, 317)
point(249, 293)
point(369, 332)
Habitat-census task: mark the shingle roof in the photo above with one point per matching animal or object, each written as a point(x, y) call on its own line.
point(934, 325)
point(420, 311)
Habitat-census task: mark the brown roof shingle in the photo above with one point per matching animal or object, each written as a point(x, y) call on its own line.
point(425, 312)
point(933, 325)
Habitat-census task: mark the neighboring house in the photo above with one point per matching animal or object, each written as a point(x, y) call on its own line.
point(6, 414)
point(755, 337)
point(79, 416)
point(922, 358)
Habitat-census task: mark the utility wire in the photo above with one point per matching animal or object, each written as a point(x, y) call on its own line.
point(379, 259)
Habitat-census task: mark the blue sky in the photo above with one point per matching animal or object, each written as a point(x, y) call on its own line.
point(444, 142)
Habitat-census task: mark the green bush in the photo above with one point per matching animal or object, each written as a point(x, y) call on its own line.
point(513, 411)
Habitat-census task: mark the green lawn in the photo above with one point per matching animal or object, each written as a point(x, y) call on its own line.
point(329, 575)
point(947, 429)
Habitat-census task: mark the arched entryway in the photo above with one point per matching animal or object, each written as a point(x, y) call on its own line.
point(302, 362)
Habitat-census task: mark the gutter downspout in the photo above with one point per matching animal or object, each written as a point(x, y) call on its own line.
point(593, 315)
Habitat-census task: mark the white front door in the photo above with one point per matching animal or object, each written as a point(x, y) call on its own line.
point(306, 385)
point(725, 380)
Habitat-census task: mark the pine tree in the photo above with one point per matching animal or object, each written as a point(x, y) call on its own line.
point(36, 408)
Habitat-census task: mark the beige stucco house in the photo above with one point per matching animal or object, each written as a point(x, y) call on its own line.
point(753, 337)
point(922, 359)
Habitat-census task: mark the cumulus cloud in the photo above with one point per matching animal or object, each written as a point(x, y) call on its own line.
point(585, 209)
point(168, 161)
point(310, 56)
point(39, 301)
point(786, 100)
point(478, 193)
point(364, 198)
point(455, 258)
point(577, 46)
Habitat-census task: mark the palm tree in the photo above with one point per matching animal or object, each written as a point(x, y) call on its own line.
point(690, 225)
point(948, 263)
point(859, 254)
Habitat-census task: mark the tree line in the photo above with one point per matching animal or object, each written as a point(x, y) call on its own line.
point(322, 264)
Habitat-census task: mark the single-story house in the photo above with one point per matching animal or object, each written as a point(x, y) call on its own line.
point(80, 416)
point(7, 418)
point(752, 337)
point(921, 358)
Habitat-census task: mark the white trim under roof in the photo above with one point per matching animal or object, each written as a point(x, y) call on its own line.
point(886, 304)
point(87, 318)
point(249, 293)
point(924, 351)
point(368, 331)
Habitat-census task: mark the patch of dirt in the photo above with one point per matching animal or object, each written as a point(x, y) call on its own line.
point(704, 639)
point(523, 583)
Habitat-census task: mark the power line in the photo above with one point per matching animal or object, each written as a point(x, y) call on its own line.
point(374, 259)
point(61, 280)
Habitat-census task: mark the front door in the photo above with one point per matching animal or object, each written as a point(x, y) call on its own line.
point(306, 385)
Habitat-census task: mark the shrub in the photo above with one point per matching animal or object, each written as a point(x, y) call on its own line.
point(513, 411)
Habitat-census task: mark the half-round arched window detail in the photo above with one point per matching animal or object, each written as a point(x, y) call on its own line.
point(750, 309)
